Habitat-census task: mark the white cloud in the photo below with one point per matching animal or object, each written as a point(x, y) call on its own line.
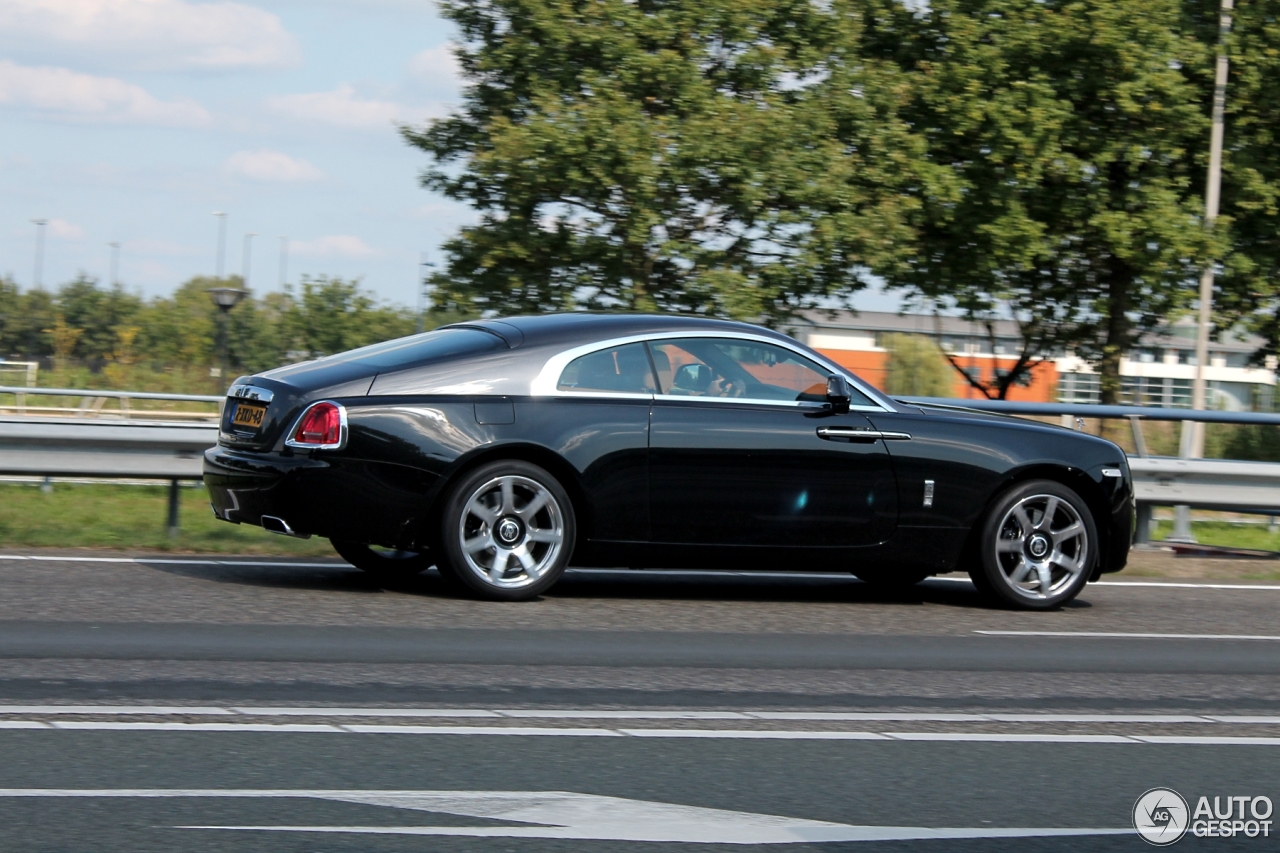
point(65, 230)
point(153, 34)
point(436, 69)
point(267, 165)
point(341, 107)
point(70, 94)
point(335, 245)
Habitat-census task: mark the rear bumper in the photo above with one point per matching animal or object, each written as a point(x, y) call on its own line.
point(362, 501)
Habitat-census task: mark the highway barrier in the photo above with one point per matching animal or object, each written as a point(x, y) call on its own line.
point(91, 442)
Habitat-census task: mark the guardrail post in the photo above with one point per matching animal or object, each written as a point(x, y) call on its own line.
point(1182, 525)
point(173, 507)
point(1142, 535)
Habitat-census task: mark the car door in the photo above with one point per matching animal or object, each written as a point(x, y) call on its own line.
point(744, 450)
point(595, 415)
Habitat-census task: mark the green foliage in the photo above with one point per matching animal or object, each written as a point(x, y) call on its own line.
point(1075, 140)
point(1251, 442)
point(1248, 284)
point(330, 315)
point(728, 157)
point(108, 337)
point(916, 367)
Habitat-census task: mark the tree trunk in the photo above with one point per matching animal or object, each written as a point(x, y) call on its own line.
point(1117, 331)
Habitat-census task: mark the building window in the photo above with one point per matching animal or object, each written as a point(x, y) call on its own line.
point(1078, 388)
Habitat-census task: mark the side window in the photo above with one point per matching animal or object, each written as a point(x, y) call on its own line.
point(623, 369)
point(725, 367)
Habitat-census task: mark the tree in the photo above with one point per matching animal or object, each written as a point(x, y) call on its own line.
point(916, 367)
point(1077, 141)
point(739, 158)
point(330, 315)
point(1248, 280)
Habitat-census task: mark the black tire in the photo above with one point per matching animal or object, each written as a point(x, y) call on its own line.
point(507, 531)
point(385, 564)
point(1034, 531)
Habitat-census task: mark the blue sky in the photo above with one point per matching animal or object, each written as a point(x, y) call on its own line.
point(132, 121)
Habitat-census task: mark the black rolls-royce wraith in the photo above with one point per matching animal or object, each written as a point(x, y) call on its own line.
point(501, 450)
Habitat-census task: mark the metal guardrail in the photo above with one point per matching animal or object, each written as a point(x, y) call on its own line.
point(1086, 410)
point(1217, 484)
point(53, 447)
point(93, 402)
point(60, 447)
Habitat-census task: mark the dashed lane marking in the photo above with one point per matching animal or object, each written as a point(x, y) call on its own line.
point(1118, 635)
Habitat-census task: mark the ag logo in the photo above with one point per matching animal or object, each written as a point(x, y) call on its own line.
point(1161, 816)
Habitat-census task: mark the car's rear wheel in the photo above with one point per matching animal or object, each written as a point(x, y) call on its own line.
point(384, 563)
point(1038, 545)
point(507, 531)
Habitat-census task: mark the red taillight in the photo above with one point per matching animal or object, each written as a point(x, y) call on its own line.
point(321, 426)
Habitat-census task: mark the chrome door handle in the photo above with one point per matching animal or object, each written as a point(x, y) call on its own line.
point(859, 435)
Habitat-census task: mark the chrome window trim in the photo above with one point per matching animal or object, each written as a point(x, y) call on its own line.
point(546, 382)
point(342, 429)
point(251, 392)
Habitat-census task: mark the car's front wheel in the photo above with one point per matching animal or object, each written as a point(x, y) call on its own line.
point(1038, 545)
point(507, 531)
point(383, 563)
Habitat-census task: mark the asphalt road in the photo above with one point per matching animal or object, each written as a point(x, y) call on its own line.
point(260, 705)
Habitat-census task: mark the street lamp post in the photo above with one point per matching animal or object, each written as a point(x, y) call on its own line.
point(222, 242)
point(424, 265)
point(115, 263)
point(39, 268)
point(225, 298)
point(1192, 444)
point(284, 261)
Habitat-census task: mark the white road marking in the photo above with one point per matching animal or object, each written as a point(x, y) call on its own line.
point(752, 734)
point(700, 734)
point(1129, 635)
point(1185, 585)
point(524, 731)
point(1004, 737)
point(569, 815)
point(593, 714)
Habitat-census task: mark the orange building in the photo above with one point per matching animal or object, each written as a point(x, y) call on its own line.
point(1158, 372)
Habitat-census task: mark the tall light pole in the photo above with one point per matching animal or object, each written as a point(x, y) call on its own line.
point(38, 275)
point(284, 262)
point(1192, 444)
point(246, 258)
point(115, 263)
point(423, 266)
point(1212, 195)
point(222, 242)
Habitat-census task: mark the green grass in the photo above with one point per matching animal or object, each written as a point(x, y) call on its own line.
point(1226, 534)
point(129, 517)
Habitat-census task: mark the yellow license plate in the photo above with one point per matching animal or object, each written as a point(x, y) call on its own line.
point(250, 416)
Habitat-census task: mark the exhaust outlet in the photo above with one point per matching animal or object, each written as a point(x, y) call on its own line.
point(279, 525)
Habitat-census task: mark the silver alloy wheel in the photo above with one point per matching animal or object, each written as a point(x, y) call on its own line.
point(1042, 546)
point(511, 531)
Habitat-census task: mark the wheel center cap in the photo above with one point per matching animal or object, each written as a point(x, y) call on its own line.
point(1038, 546)
point(508, 531)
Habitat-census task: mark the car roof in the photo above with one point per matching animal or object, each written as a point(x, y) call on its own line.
point(584, 327)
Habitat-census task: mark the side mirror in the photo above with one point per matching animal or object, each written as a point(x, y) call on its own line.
point(838, 393)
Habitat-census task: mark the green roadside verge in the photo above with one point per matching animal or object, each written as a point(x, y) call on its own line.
point(75, 515)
